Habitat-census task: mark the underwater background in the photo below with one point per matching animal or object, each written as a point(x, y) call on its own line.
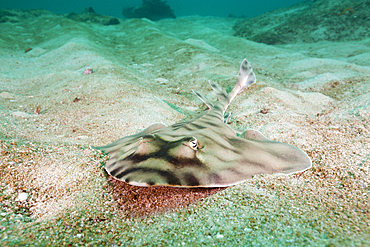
point(181, 7)
point(76, 74)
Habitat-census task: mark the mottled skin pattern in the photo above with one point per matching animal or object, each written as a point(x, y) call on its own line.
point(204, 152)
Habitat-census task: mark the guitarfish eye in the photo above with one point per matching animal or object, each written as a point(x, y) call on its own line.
point(193, 143)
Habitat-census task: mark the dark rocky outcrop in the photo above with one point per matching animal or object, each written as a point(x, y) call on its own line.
point(151, 9)
point(310, 21)
point(17, 15)
point(90, 15)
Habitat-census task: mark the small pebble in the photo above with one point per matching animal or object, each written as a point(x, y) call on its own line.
point(161, 80)
point(22, 197)
point(88, 71)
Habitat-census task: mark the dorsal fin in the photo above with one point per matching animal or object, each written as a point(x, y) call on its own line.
point(204, 99)
point(210, 105)
point(219, 91)
point(245, 78)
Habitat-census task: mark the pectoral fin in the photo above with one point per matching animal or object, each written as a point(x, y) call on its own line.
point(125, 146)
point(277, 157)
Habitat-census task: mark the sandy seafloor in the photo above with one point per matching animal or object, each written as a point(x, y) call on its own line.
point(317, 97)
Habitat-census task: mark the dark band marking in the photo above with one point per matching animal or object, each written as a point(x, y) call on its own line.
point(186, 162)
point(198, 125)
point(168, 176)
point(189, 128)
point(215, 178)
point(178, 125)
point(151, 182)
point(190, 179)
point(233, 149)
point(208, 123)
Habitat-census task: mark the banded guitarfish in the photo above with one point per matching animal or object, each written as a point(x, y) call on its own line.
point(202, 152)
